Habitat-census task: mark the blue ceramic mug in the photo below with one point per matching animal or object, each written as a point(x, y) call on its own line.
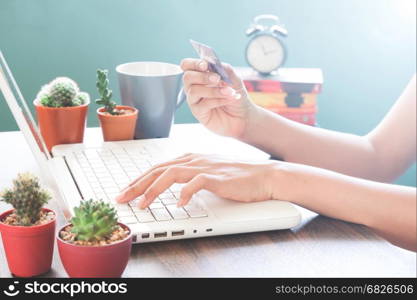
point(154, 88)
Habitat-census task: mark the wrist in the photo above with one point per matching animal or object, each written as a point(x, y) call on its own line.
point(251, 122)
point(288, 183)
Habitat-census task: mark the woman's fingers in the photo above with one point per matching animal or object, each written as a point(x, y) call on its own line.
point(179, 160)
point(193, 64)
point(199, 65)
point(199, 78)
point(199, 182)
point(160, 177)
point(206, 105)
point(175, 174)
point(140, 185)
point(196, 92)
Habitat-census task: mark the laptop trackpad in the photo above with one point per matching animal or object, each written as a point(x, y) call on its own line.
point(234, 211)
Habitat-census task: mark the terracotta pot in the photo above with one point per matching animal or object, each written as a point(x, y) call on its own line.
point(120, 127)
point(95, 261)
point(28, 249)
point(61, 125)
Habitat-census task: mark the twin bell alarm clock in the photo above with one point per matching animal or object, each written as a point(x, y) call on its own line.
point(265, 51)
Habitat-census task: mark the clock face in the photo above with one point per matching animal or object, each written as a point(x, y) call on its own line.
point(265, 53)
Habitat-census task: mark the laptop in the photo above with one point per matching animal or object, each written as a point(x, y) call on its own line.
point(78, 172)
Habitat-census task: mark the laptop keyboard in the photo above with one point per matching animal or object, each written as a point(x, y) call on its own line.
point(103, 173)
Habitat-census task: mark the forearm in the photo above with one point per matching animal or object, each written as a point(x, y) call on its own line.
point(382, 155)
point(293, 142)
point(388, 209)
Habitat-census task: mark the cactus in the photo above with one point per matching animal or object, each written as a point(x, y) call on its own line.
point(27, 198)
point(93, 220)
point(81, 98)
point(62, 92)
point(105, 93)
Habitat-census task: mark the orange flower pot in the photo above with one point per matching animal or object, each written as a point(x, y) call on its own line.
point(119, 127)
point(61, 125)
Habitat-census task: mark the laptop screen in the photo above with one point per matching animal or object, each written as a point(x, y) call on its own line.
point(21, 112)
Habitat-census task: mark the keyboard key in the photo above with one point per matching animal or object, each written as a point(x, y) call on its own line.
point(125, 213)
point(99, 169)
point(95, 185)
point(161, 214)
point(96, 164)
point(166, 195)
point(139, 210)
point(111, 164)
point(99, 191)
point(195, 211)
point(177, 213)
point(114, 194)
point(89, 173)
point(106, 181)
point(134, 174)
point(128, 220)
point(117, 169)
point(119, 176)
point(93, 179)
point(79, 154)
point(129, 167)
point(155, 205)
point(111, 189)
point(168, 201)
point(145, 217)
point(121, 207)
point(124, 182)
point(90, 153)
point(140, 163)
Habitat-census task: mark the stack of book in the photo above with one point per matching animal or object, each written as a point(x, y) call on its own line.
point(291, 92)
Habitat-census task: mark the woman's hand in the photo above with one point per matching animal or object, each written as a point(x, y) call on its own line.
point(238, 181)
point(222, 108)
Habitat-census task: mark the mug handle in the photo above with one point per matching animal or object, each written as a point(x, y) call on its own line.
point(181, 98)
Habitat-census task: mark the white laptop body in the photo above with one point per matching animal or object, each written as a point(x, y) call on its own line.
point(78, 171)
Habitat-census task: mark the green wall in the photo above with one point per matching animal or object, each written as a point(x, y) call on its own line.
point(366, 48)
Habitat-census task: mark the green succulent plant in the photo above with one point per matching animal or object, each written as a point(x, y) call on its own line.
point(93, 220)
point(27, 198)
point(105, 93)
point(62, 92)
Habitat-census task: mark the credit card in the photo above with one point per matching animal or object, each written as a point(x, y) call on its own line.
point(214, 64)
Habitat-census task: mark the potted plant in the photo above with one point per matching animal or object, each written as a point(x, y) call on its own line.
point(94, 244)
point(117, 122)
point(61, 110)
point(27, 230)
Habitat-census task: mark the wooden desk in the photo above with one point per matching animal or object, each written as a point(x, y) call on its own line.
point(318, 247)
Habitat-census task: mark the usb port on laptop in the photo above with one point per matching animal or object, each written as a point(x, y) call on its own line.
point(160, 234)
point(177, 233)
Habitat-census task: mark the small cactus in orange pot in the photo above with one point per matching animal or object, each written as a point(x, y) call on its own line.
point(117, 122)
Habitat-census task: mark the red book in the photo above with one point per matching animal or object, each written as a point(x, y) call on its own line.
point(286, 80)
